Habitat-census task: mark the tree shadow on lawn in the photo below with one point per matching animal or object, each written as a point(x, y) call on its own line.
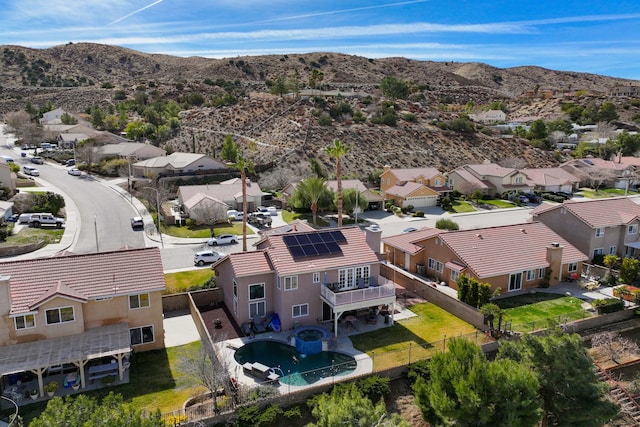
point(526, 299)
point(393, 338)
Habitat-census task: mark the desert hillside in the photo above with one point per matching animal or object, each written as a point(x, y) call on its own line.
point(281, 133)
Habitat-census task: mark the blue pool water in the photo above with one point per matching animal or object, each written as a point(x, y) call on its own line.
point(308, 369)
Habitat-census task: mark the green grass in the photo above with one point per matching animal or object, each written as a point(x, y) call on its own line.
point(155, 382)
point(462, 206)
point(531, 311)
point(183, 280)
point(390, 345)
point(502, 204)
point(289, 216)
point(32, 235)
point(604, 192)
point(202, 231)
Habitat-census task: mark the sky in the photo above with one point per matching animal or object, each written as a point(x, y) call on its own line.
point(599, 37)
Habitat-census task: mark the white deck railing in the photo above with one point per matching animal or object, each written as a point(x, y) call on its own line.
point(383, 289)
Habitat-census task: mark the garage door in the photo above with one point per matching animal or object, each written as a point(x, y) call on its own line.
point(420, 201)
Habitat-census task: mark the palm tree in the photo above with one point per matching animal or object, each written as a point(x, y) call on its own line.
point(244, 165)
point(313, 187)
point(337, 150)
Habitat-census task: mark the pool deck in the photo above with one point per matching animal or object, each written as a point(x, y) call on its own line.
point(341, 344)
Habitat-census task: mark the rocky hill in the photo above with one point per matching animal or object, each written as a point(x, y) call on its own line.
point(281, 134)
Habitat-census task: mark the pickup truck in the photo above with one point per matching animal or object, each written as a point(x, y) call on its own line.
point(39, 219)
point(259, 219)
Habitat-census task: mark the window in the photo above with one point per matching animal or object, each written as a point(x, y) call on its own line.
point(141, 335)
point(138, 301)
point(632, 229)
point(362, 275)
point(599, 232)
point(256, 291)
point(438, 182)
point(301, 310)
point(257, 309)
point(612, 250)
point(572, 267)
point(518, 179)
point(316, 278)
point(455, 275)
point(27, 321)
point(235, 289)
point(60, 315)
point(435, 265)
point(291, 283)
point(598, 251)
point(345, 278)
point(531, 275)
point(515, 281)
point(541, 272)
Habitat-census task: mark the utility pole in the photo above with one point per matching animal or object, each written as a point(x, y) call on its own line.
point(157, 212)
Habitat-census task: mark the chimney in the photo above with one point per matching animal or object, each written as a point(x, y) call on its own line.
point(554, 258)
point(373, 235)
point(5, 307)
point(386, 168)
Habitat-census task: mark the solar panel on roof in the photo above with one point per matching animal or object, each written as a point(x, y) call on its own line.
point(338, 236)
point(303, 239)
point(315, 238)
point(334, 248)
point(290, 240)
point(322, 248)
point(309, 250)
point(296, 251)
point(326, 237)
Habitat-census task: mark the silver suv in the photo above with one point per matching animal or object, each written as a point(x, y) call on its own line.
point(40, 219)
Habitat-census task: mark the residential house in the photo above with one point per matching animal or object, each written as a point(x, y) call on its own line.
point(491, 116)
point(620, 90)
point(595, 227)
point(375, 199)
point(202, 207)
point(52, 117)
point(490, 178)
point(418, 187)
point(306, 277)
point(551, 180)
point(229, 192)
point(77, 309)
point(134, 151)
point(595, 172)
point(7, 178)
point(509, 258)
point(176, 163)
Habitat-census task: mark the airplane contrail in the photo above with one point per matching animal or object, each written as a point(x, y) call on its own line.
point(135, 12)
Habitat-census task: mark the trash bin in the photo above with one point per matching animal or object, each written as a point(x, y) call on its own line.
point(386, 319)
point(23, 154)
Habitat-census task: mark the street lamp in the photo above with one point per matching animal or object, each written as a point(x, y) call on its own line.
point(157, 212)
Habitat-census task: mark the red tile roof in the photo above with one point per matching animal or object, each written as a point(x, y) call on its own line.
point(410, 242)
point(83, 277)
point(495, 251)
point(411, 174)
point(355, 251)
point(611, 212)
point(248, 263)
point(405, 189)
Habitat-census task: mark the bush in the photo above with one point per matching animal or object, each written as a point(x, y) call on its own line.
point(417, 369)
point(374, 387)
point(419, 214)
point(609, 305)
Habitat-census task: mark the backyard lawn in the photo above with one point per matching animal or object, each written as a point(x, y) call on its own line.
point(423, 333)
point(533, 311)
point(183, 280)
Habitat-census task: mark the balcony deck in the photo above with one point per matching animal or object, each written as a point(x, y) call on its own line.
point(379, 291)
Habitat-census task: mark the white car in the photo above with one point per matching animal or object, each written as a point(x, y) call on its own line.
point(409, 230)
point(74, 172)
point(206, 257)
point(223, 239)
point(234, 215)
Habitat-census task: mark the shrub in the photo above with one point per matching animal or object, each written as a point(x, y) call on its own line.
point(447, 224)
point(324, 120)
point(374, 387)
point(417, 369)
point(609, 305)
point(419, 214)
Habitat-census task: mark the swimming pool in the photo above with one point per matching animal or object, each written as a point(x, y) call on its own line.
point(296, 369)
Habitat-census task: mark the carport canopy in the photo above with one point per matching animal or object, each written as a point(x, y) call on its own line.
point(634, 245)
point(92, 344)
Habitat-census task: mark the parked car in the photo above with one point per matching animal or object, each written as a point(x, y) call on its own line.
point(24, 147)
point(24, 218)
point(272, 210)
point(564, 195)
point(39, 219)
point(37, 160)
point(234, 215)
point(206, 257)
point(137, 223)
point(408, 230)
point(74, 172)
point(8, 159)
point(13, 218)
point(223, 239)
point(533, 198)
point(71, 162)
